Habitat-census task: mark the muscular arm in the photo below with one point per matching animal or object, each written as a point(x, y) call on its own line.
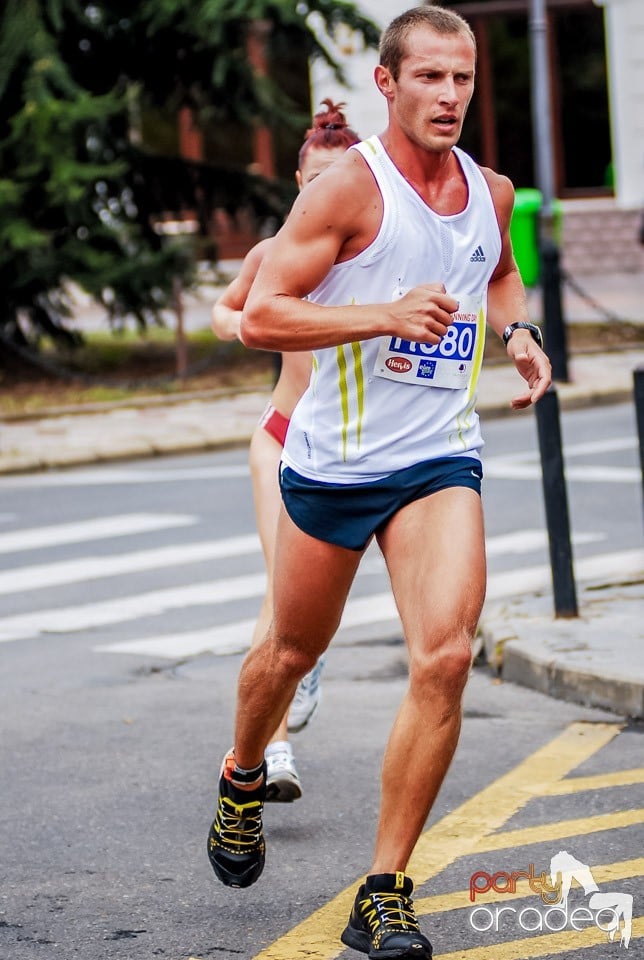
point(333, 220)
point(507, 301)
point(227, 311)
point(226, 317)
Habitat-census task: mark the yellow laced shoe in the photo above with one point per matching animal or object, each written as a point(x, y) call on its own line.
point(236, 846)
point(383, 923)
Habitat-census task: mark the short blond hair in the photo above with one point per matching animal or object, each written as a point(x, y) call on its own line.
point(439, 19)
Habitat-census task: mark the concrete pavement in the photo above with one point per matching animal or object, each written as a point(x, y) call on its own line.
point(596, 659)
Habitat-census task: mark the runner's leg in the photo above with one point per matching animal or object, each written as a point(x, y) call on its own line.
point(311, 580)
point(435, 554)
point(264, 459)
point(265, 455)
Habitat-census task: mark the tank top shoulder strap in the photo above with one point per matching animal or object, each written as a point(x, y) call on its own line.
point(376, 159)
point(474, 176)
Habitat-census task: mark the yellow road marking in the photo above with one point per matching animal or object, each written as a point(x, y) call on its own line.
point(460, 899)
point(317, 937)
point(542, 946)
point(560, 830)
point(461, 831)
point(621, 778)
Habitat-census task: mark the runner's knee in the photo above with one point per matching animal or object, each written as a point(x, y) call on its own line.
point(443, 669)
point(294, 660)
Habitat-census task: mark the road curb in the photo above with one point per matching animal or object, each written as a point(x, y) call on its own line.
point(22, 464)
point(593, 659)
point(535, 669)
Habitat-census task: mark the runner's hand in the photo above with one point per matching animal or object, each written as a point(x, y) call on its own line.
point(533, 365)
point(423, 314)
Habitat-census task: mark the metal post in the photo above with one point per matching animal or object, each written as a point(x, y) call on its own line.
point(638, 382)
point(541, 123)
point(542, 136)
point(556, 504)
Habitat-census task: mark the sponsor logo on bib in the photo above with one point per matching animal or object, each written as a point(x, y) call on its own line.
point(398, 364)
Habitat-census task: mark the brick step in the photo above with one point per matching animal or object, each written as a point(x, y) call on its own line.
point(597, 237)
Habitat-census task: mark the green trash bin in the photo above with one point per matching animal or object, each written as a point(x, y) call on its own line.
point(524, 232)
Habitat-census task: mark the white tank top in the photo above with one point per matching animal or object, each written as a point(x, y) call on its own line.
point(376, 406)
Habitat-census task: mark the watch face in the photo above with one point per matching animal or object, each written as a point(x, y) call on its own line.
point(535, 332)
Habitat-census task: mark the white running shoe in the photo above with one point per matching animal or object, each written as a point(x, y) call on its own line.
point(282, 782)
point(306, 700)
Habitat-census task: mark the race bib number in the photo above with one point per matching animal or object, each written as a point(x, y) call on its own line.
point(448, 363)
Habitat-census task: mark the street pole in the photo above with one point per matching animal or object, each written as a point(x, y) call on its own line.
point(638, 390)
point(554, 326)
point(556, 503)
point(550, 444)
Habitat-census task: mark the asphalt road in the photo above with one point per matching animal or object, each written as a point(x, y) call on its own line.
point(122, 588)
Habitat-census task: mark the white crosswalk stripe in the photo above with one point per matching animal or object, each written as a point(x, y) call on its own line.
point(152, 603)
point(527, 465)
point(93, 568)
point(506, 469)
point(527, 541)
point(121, 525)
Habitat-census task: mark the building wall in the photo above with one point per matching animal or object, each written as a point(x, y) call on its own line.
point(624, 21)
point(599, 237)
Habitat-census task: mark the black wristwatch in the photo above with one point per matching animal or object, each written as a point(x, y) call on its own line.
point(534, 330)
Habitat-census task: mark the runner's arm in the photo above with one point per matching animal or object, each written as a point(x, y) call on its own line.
point(227, 311)
point(507, 302)
point(334, 218)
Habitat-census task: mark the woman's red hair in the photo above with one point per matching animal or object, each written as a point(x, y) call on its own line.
point(330, 129)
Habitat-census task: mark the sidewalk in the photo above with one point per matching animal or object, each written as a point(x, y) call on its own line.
point(185, 424)
point(596, 659)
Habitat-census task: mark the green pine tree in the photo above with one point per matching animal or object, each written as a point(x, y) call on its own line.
point(78, 198)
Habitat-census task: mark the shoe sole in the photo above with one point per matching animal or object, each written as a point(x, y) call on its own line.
point(282, 791)
point(251, 874)
point(355, 939)
point(360, 941)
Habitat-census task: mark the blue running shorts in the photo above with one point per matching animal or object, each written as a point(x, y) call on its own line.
point(348, 515)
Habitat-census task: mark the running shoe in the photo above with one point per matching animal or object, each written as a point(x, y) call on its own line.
point(306, 700)
point(383, 923)
point(235, 841)
point(282, 782)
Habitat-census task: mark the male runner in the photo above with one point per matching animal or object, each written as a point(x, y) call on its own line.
point(403, 251)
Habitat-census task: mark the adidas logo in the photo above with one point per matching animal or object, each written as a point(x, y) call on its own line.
point(478, 256)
